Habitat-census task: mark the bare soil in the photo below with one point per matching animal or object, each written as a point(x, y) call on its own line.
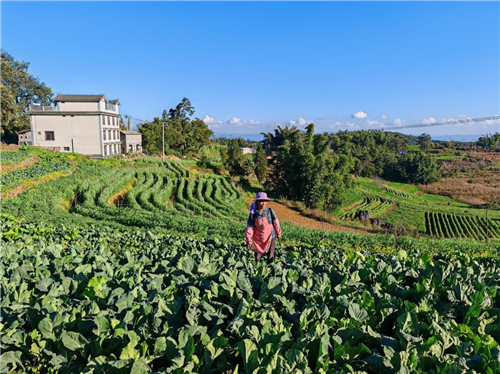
point(9, 147)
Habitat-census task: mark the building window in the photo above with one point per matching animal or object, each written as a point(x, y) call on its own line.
point(138, 147)
point(109, 134)
point(66, 149)
point(49, 135)
point(104, 134)
point(109, 121)
point(114, 121)
point(105, 150)
point(131, 148)
point(72, 115)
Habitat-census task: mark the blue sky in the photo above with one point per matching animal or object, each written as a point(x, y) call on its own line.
point(248, 66)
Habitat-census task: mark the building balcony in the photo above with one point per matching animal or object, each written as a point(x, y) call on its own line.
point(40, 108)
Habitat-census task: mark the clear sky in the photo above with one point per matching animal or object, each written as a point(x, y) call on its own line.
point(248, 66)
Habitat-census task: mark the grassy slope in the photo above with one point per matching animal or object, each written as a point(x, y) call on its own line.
point(410, 211)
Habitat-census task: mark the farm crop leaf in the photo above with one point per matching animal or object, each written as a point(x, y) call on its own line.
point(46, 327)
point(140, 367)
point(44, 284)
point(358, 313)
point(102, 325)
point(73, 340)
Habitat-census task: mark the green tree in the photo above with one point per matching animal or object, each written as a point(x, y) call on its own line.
point(425, 141)
point(260, 164)
point(19, 89)
point(419, 168)
point(233, 159)
point(181, 133)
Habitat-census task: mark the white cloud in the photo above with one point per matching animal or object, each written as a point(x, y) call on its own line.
point(359, 115)
point(462, 116)
point(300, 122)
point(252, 122)
point(373, 123)
point(234, 121)
point(398, 122)
point(428, 121)
point(352, 126)
point(384, 116)
point(335, 125)
point(207, 119)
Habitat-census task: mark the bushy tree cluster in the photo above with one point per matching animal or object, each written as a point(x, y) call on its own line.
point(489, 142)
point(19, 89)
point(305, 168)
point(182, 134)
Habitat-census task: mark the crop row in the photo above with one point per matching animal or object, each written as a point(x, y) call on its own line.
point(375, 205)
point(14, 156)
point(39, 169)
point(445, 225)
point(397, 192)
point(147, 192)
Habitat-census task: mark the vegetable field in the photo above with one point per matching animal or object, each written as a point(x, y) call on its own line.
point(101, 300)
point(444, 225)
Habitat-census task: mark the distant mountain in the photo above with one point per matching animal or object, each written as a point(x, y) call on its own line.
point(459, 138)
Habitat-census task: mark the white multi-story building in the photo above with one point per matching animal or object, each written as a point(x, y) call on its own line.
point(87, 124)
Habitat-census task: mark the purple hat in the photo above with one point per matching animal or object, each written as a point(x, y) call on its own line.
point(262, 196)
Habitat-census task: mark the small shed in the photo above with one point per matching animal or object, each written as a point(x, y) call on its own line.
point(131, 141)
point(24, 137)
point(247, 150)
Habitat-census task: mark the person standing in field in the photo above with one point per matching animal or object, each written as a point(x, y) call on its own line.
point(262, 229)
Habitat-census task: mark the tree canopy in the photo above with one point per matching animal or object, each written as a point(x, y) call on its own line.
point(19, 89)
point(182, 134)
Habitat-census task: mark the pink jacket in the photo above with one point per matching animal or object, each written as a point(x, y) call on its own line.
point(260, 230)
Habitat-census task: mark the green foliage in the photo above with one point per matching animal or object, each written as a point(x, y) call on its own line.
point(107, 300)
point(425, 141)
point(490, 142)
point(181, 132)
point(260, 164)
point(37, 170)
point(19, 90)
point(419, 168)
point(307, 170)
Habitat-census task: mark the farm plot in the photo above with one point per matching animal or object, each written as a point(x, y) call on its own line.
point(397, 192)
point(374, 204)
point(39, 169)
point(446, 225)
point(102, 300)
point(154, 190)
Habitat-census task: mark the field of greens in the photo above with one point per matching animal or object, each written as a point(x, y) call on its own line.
point(139, 267)
point(102, 300)
point(432, 215)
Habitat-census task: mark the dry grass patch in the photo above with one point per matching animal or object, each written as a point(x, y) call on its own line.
point(474, 191)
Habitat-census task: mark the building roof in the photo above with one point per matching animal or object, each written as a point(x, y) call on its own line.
point(23, 131)
point(125, 132)
point(114, 102)
point(79, 98)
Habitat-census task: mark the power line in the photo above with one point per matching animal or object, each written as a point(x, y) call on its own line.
point(443, 123)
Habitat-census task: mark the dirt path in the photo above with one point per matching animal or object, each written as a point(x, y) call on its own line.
point(286, 214)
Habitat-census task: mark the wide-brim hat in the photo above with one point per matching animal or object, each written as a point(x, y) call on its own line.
point(262, 196)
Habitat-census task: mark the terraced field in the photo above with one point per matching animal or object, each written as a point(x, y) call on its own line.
point(397, 192)
point(155, 190)
point(374, 204)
